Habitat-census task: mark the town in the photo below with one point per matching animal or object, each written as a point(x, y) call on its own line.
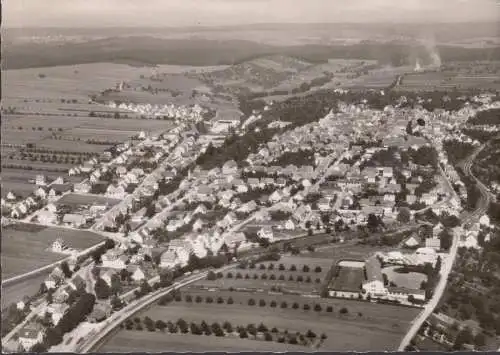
point(317, 220)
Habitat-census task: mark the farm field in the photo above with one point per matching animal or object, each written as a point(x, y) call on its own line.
point(348, 279)
point(78, 200)
point(382, 326)
point(133, 341)
point(24, 246)
point(111, 125)
point(21, 189)
point(26, 287)
point(409, 280)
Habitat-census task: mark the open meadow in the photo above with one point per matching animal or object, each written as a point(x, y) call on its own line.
point(24, 246)
point(382, 326)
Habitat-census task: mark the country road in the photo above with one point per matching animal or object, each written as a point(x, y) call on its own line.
point(466, 217)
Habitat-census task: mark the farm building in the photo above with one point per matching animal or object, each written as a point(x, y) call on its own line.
point(374, 284)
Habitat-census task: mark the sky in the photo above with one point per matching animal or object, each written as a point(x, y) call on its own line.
point(162, 13)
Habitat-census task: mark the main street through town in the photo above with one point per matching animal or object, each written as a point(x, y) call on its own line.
point(466, 218)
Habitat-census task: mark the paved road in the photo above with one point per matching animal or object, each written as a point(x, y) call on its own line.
point(466, 218)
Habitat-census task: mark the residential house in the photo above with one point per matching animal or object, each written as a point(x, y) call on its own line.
point(200, 209)
point(50, 282)
point(59, 246)
point(107, 276)
point(233, 240)
point(289, 225)
point(168, 259)
point(413, 241)
point(230, 167)
point(137, 274)
point(324, 204)
point(75, 220)
point(266, 233)
point(30, 335)
point(114, 259)
point(253, 183)
point(41, 192)
point(47, 215)
point(248, 207)
point(77, 283)
point(433, 242)
point(40, 180)
point(57, 311)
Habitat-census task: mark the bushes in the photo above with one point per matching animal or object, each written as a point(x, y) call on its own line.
point(220, 300)
point(284, 304)
point(343, 310)
point(263, 277)
point(293, 267)
point(305, 268)
point(317, 308)
point(229, 275)
point(306, 307)
point(209, 299)
point(198, 299)
point(262, 303)
point(329, 309)
point(281, 267)
point(239, 276)
point(317, 269)
point(270, 266)
point(300, 278)
point(189, 298)
point(272, 277)
point(262, 267)
point(318, 280)
point(211, 276)
point(281, 277)
point(295, 305)
point(251, 302)
point(273, 304)
point(230, 300)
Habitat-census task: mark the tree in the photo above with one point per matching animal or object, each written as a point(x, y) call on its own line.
point(293, 267)
point(116, 286)
point(268, 336)
point(310, 334)
point(306, 307)
point(116, 303)
point(344, 310)
point(160, 325)
point(102, 290)
point(220, 300)
point(305, 268)
point(262, 303)
point(251, 302)
point(65, 269)
point(480, 340)
point(317, 308)
point(211, 275)
point(284, 304)
point(230, 300)
point(262, 328)
point(198, 299)
point(446, 239)
point(437, 267)
point(53, 336)
point(273, 304)
point(281, 267)
point(463, 337)
point(329, 309)
point(373, 222)
point(404, 215)
point(39, 348)
point(317, 269)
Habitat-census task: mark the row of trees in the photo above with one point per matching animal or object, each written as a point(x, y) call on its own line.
point(281, 277)
point(280, 267)
point(203, 328)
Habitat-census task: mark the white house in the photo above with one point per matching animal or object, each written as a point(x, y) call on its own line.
point(374, 284)
point(40, 180)
point(266, 233)
point(434, 243)
point(289, 225)
point(114, 259)
point(107, 276)
point(74, 220)
point(58, 246)
point(168, 259)
point(324, 204)
point(137, 273)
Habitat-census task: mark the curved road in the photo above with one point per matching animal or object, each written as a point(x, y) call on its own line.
point(447, 265)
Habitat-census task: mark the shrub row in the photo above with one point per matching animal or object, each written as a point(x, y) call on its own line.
point(281, 267)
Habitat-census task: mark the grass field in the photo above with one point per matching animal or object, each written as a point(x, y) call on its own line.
point(21, 189)
point(134, 341)
point(26, 287)
point(410, 280)
point(24, 246)
point(348, 279)
point(381, 326)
